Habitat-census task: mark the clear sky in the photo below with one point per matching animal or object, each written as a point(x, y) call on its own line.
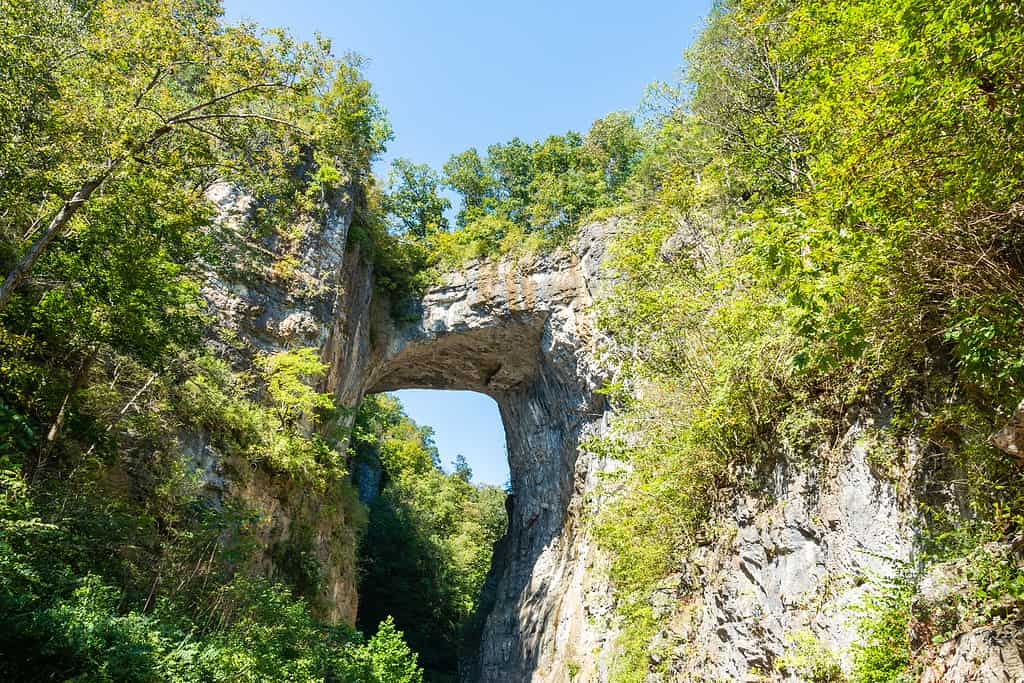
point(465, 423)
point(454, 74)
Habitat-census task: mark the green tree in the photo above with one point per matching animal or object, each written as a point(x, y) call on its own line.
point(392, 659)
point(167, 86)
point(428, 544)
point(616, 143)
point(413, 201)
point(512, 166)
point(115, 118)
point(467, 174)
point(289, 376)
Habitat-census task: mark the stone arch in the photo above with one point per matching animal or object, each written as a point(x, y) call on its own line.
point(521, 336)
point(516, 330)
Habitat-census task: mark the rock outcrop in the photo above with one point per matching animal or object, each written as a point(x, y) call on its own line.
point(789, 562)
point(277, 293)
point(516, 331)
point(956, 637)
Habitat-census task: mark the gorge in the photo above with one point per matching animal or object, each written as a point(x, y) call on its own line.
point(795, 555)
point(756, 347)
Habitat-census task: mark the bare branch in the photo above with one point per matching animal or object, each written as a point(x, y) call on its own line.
point(152, 84)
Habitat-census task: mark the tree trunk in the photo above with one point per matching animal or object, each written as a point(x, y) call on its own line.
point(58, 423)
point(25, 264)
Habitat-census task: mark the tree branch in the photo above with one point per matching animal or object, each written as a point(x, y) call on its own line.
point(226, 96)
point(260, 117)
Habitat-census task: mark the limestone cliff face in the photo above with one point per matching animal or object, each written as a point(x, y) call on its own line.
point(788, 559)
point(278, 293)
point(518, 332)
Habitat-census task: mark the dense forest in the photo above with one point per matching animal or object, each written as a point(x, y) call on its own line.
point(116, 564)
point(427, 546)
point(826, 210)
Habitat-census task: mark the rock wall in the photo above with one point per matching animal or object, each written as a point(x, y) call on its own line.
point(789, 563)
point(283, 291)
point(519, 333)
point(956, 644)
point(516, 331)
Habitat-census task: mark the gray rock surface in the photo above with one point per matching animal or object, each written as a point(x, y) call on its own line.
point(990, 654)
point(1010, 438)
point(954, 640)
point(792, 559)
point(283, 292)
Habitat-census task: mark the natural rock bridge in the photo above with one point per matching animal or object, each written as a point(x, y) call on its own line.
point(520, 333)
point(515, 331)
point(521, 336)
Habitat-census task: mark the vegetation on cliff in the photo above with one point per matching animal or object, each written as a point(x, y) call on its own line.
point(116, 560)
point(825, 213)
point(830, 215)
point(518, 197)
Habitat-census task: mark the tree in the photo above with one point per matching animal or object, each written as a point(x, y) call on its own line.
point(738, 77)
point(616, 143)
point(165, 85)
point(467, 174)
point(544, 187)
point(413, 201)
point(462, 469)
point(512, 166)
point(428, 544)
point(391, 658)
point(290, 376)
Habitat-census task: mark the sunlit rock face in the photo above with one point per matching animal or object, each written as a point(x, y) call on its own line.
point(516, 330)
point(257, 308)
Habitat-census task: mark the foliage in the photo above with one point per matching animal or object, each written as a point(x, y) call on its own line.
point(994, 578)
point(288, 375)
point(400, 258)
point(882, 654)
point(116, 562)
point(122, 568)
point(519, 196)
point(827, 212)
point(413, 201)
point(274, 435)
point(391, 658)
point(269, 635)
point(161, 99)
point(427, 548)
point(726, 348)
point(142, 577)
point(810, 659)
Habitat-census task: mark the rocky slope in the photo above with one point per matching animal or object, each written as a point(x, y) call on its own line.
point(284, 294)
point(788, 562)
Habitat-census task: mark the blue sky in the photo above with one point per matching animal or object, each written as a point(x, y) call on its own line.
point(454, 74)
